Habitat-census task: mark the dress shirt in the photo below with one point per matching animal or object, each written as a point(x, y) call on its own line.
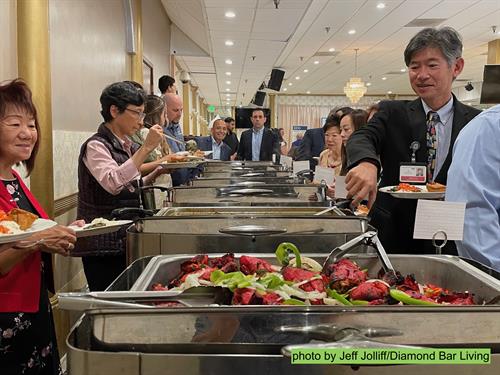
point(474, 178)
point(256, 142)
point(216, 147)
point(111, 176)
point(176, 130)
point(443, 132)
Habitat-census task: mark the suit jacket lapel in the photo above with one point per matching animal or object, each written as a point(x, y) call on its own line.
point(418, 129)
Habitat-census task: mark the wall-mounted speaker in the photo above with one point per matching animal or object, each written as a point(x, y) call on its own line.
point(276, 79)
point(259, 98)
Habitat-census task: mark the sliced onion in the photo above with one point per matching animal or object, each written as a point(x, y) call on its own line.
point(307, 264)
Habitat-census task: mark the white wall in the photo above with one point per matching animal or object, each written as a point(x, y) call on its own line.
point(8, 40)
point(156, 36)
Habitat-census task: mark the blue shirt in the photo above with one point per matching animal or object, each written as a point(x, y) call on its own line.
point(474, 178)
point(175, 130)
point(256, 142)
point(216, 147)
point(443, 132)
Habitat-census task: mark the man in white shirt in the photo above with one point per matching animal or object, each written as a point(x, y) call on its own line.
point(215, 142)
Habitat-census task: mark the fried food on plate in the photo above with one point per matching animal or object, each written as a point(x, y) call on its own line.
point(436, 187)
point(23, 218)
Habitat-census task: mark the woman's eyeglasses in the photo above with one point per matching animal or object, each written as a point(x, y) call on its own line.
point(141, 115)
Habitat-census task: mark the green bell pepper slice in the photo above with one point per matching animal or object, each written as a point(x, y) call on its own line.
point(401, 296)
point(295, 302)
point(339, 297)
point(282, 254)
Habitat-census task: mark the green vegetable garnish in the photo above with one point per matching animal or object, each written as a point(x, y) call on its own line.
point(359, 302)
point(401, 296)
point(339, 297)
point(293, 301)
point(271, 281)
point(282, 254)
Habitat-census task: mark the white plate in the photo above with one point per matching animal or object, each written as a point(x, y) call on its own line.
point(37, 226)
point(109, 228)
point(208, 152)
point(423, 194)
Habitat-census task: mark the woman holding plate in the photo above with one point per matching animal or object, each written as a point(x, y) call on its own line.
point(27, 339)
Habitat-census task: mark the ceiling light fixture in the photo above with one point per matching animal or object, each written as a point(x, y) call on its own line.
point(297, 78)
point(403, 70)
point(306, 70)
point(316, 62)
point(290, 83)
point(384, 78)
point(368, 84)
point(355, 88)
point(351, 32)
point(285, 89)
point(229, 61)
point(229, 43)
point(228, 73)
point(331, 50)
point(228, 82)
point(380, 5)
point(230, 14)
point(308, 92)
point(228, 89)
point(389, 92)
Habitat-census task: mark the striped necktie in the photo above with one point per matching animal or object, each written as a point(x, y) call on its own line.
point(432, 120)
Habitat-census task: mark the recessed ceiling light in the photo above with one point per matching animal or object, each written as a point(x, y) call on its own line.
point(316, 62)
point(228, 73)
point(389, 92)
point(228, 89)
point(290, 83)
point(228, 95)
point(297, 78)
point(285, 89)
point(308, 92)
point(368, 84)
point(230, 14)
point(229, 61)
point(403, 70)
point(306, 70)
point(351, 32)
point(331, 50)
point(384, 78)
point(228, 82)
point(229, 43)
point(380, 5)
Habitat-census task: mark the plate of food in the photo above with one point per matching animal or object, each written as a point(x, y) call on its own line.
point(99, 226)
point(407, 191)
point(18, 224)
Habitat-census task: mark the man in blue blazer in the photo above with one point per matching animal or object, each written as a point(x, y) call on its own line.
point(258, 143)
point(215, 143)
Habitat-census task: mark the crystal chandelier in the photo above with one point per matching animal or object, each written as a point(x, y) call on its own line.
point(355, 88)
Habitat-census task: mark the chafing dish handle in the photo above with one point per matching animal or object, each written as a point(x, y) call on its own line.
point(130, 213)
point(252, 231)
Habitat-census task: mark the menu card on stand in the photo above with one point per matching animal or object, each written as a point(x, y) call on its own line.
point(340, 190)
point(438, 216)
point(299, 166)
point(324, 174)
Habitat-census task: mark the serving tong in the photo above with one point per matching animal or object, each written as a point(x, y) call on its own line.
point(369, 238)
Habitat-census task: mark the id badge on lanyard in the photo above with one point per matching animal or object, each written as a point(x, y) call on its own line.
point(413, 172)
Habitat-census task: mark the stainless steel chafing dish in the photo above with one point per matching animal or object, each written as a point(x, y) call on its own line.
point(220, 166)
point(246, 181)
point(245, 173)
point(247, 211)
point(269, 195)
point(249, 339)
point(231, 230)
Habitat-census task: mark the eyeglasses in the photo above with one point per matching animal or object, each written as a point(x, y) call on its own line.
point(141, 115)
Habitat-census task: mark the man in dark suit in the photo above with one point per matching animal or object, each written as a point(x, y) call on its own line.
point(258, 143)
point(434, 60)
point(214, 142)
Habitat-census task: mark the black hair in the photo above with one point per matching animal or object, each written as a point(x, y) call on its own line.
point(335, 115)
point(165, 82)
point(228, 120)
point(120, 94)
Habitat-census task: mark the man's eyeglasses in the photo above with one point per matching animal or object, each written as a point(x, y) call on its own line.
point(141, 115)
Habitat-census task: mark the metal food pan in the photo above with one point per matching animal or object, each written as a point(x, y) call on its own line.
point(443, 270)
point(245, 173)
point(248, 211)
point(244, 181)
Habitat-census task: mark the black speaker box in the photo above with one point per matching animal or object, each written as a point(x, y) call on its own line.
point(276, 79)
point(258, 100)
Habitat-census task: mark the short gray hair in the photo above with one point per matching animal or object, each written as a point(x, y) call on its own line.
point(446, 39)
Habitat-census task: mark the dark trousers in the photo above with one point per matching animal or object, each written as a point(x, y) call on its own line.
point(102, 270)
